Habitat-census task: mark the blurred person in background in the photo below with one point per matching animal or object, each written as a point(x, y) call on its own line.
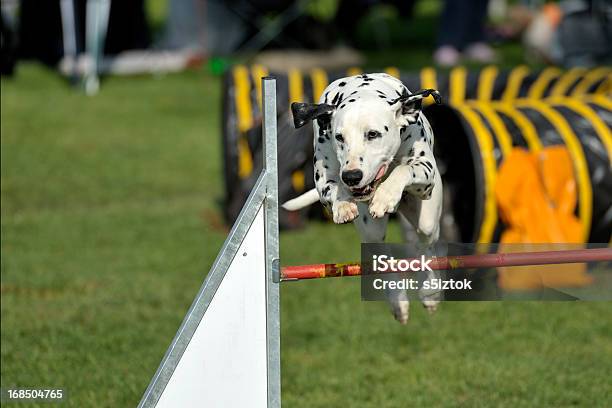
point(461, 33)
point(571, 33)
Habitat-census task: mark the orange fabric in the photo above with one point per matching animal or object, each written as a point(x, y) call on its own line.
point(536, 196)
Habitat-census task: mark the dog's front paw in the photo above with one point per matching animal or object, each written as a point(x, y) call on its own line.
point(385, 200)
point(344, 211)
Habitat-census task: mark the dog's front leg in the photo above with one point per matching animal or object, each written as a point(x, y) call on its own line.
point(344, 208)
point(416, 174)
point(388, 195)
point(332, 193)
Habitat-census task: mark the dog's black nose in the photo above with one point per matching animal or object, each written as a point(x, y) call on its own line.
point(352, 177)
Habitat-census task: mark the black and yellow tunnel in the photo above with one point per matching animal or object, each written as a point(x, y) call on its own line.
point(486, 113)
point(473, 139)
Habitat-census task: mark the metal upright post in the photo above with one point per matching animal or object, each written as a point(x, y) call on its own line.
point(272, 240)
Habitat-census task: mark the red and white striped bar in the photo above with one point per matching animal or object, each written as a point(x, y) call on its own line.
point(316, 271)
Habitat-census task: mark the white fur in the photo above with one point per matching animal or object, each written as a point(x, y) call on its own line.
point(411, 184)
point(304, 200)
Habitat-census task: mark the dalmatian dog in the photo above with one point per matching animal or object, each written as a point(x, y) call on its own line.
point(373, 155)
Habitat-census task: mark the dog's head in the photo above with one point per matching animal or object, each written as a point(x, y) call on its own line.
point(365, 132)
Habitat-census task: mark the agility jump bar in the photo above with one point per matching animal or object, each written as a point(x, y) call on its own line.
point(336, 270)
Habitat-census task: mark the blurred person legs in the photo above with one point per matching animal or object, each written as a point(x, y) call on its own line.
point(461, 30)
point(576, 33)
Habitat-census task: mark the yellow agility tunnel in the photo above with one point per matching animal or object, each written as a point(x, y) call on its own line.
point(475, 138)
point(486, 113)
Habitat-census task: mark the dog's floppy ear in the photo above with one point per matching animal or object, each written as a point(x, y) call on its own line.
point(305, 112)
point(410, 104)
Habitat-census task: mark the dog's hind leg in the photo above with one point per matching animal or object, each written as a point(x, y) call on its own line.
point(373, 231)
point(425, 215)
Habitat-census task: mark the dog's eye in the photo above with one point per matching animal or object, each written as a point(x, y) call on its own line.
point(373, 134)
point(339, 138)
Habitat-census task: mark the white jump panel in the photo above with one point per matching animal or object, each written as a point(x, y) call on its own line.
point(224, 364)
point(226, 353)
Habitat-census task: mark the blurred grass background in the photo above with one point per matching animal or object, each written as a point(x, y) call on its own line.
point(111, 219)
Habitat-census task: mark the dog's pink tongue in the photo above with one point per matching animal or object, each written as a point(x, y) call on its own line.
point(381, 172)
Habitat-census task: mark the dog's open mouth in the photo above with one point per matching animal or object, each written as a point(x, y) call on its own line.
point(365, 193)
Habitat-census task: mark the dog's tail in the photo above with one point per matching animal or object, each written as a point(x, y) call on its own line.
point(306, 199)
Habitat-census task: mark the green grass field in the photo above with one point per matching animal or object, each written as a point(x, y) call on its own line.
point(111, 219)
